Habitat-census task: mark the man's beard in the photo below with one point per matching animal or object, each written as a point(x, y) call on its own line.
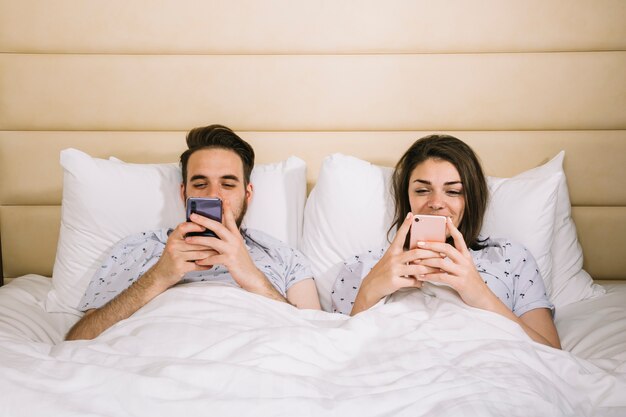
point(242, 213)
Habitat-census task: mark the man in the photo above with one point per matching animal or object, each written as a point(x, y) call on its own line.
point(217, 163)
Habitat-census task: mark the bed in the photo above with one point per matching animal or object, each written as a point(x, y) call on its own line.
point(92, 120)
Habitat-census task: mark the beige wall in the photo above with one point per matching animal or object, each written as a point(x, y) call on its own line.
point(518, 80)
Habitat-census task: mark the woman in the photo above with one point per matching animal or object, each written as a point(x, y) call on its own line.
point(441, 175)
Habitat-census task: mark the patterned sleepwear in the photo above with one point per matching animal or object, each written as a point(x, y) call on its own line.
point(507, 268)
point(133, 256)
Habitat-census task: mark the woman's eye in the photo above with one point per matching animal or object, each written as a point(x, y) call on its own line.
point(454, 192)
point(421, 191)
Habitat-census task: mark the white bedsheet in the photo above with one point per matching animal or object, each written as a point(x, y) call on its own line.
point(595, 329)
point(203, 349)
point(22, 313)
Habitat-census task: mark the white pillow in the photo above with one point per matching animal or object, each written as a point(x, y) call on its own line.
point(523, 210)
point(107, 200)
point(277, 207)
point(350, 210)
point(569, 283)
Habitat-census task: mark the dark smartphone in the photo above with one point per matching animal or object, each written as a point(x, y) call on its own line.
point(207, 207)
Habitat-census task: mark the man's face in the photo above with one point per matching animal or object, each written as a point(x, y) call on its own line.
point(218, 173)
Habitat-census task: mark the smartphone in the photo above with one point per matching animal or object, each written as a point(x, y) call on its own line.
point(207, 207)
point(427, 228)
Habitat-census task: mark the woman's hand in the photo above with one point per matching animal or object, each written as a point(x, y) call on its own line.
point(396, 269)
point(456, 269)
point(459, 272)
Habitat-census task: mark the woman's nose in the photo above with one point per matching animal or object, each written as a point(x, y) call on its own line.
point(435, 202)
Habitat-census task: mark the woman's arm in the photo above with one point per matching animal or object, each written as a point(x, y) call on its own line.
point(540, 322)
point(536, 323)
point(459, 272)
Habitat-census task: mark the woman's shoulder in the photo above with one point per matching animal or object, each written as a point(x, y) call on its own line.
point(370, 254)
point(501, 248)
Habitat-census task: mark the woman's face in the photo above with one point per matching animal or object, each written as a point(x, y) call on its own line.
point(435, 188)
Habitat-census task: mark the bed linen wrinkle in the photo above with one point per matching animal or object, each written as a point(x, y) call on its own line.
point(205, 348)
point(595, 329)
point(22, 316)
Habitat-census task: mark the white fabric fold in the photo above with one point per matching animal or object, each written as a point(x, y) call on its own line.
point(206, 349)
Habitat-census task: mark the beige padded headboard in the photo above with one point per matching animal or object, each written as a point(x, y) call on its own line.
point(519, 81)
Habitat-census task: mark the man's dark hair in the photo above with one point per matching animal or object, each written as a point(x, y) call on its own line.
point(221, 137)
point(458, 153)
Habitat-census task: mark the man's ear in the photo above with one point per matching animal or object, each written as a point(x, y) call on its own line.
point(182, 193)
point(249, 192)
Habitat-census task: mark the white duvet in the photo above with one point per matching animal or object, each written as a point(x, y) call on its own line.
point(208, 350)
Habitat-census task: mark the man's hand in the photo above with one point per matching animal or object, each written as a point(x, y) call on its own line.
point(180, 256)
point(230, 251)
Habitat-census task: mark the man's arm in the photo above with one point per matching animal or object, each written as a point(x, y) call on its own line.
point(303, 294)
point(177, 259)
point(230, 251)
point(96, 321)
point(259, 284)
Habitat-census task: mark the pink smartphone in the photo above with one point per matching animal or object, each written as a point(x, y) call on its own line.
point(427, 228)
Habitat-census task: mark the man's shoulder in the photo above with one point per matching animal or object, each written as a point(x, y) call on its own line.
point(263, 239)
point(272, 246)
point(159, 235)
point(278, 251)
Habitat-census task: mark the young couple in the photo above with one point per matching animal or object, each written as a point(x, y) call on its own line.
point(438, 175)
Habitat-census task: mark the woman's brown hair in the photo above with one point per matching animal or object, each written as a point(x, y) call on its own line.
point(459, 154)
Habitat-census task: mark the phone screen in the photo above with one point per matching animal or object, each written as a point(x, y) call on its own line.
point(207, 207)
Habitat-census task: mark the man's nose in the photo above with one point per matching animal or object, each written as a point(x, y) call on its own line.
point(213, 192)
